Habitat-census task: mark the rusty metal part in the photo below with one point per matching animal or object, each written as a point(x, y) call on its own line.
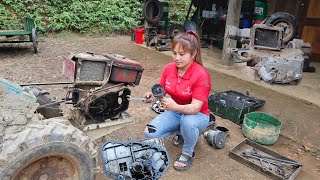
point(241, 55)
point(54, 103)
point(275, 165)
point(107, 105)
point(279, 161)
point(280, 70)
point(87, 69)
point(300, 44)
point(124, 70)
point(110, 99)
point(147, 159)
point(43, 84)
point(285, 21)
point(217, 138)
point(49, 149)
point(163, 43)
point(266, 37)
point(130, 98)
point(158, 91)
point(99, 95)
point(280, 66)
point(238, 34)
point(47, 168)
point(265, 160)
point(157, 107)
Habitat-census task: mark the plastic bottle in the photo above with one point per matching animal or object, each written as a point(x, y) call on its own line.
point(214, 11)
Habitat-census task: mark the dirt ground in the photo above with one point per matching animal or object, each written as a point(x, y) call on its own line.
point(20, 65)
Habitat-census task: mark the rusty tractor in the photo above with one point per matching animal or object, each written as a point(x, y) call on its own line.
point(37, 142)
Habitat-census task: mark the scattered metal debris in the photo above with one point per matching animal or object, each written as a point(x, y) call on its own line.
point(273, 62)
point(265, 161)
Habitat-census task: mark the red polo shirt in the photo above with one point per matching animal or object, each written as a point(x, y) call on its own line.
point(195, 83)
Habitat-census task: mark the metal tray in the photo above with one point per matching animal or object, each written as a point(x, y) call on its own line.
point(283, 169)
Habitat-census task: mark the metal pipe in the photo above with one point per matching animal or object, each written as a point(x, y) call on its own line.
point(40, 84)
point(53, 103)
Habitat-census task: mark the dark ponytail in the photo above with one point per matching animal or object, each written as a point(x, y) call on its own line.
point(198, 57)
point(190, 42)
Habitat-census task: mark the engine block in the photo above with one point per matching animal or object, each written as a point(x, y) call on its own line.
point(147, 159)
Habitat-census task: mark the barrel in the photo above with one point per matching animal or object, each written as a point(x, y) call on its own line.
point(245, 23)
point(261, 10)
point(139, 35)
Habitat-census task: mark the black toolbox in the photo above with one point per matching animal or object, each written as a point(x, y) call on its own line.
point(233, 105)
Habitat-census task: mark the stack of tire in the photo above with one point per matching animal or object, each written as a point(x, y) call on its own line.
point(157, 13)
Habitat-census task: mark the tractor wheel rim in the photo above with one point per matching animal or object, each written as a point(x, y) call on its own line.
point(288, 28)
point(50, 167)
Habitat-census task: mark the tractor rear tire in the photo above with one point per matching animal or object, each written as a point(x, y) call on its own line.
point(153, 7)
point(53, 149)
point(175, 29)
point(286, 21)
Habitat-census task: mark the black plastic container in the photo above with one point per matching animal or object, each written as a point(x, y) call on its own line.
point(233, 105)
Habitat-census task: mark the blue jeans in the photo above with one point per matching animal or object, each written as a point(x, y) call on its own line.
point(172, 122)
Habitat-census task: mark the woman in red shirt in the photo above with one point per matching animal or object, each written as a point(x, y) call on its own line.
point(186, 110)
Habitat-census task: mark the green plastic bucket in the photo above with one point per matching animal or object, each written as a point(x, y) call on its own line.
point(261, 128)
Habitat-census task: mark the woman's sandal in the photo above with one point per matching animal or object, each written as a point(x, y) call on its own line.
point(184, 159)
point(177, 140)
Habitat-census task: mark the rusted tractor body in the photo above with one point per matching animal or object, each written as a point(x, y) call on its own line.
point(100, 90)
point(36, 142)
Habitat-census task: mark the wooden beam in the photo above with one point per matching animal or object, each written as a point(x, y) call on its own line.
point(233, 19)
point(311, 22)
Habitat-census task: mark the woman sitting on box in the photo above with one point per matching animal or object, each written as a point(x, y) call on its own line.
point(186, 110)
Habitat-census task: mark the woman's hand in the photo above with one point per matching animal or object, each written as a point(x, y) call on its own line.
point(149, 97)
point(192, 108)
point(168, 103)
